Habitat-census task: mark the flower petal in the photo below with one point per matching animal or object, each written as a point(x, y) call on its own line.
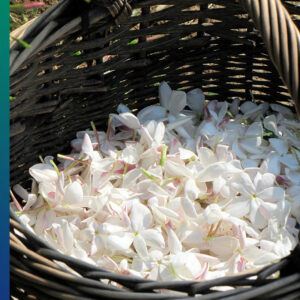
point(152, 112)
point(129, 120)
point(165, 93)
point(177, 102)
point(74, 194)
point(140, 246)
point(43, 173)
point(195, 100)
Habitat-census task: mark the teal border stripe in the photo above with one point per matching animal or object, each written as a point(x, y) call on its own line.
point(4, 150)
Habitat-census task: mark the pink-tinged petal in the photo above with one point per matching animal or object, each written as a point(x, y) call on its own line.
point(35, 4)
point(141, 217)
point(140, 246)
point(43, 172)
point(165, 93)
point(177, 102)
point(152, 112)
point(74, 194)
point(87, 147)
point(195, 100)
point(153, 238)
point(129, 120)
point(280, 146)
point(174, 244)
point(272, 194)
point(223, 246)
point(119, 241)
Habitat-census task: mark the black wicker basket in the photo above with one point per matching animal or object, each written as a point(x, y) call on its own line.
point(86, 58)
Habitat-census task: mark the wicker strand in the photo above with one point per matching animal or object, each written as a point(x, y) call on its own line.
point(282, 39)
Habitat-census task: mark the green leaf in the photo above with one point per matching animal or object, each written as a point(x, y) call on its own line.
point(133, 42)
point(76, 53)
point(11, 98)
point(22, 42)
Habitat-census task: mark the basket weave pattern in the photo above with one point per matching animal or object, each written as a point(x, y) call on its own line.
point(85, 59)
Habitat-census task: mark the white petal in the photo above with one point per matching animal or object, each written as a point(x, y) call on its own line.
point(159, 132)
point(223, 246)
point(238, 208)
point(119, 242)
point(191, 190)
point(140, 246)
point(272, 194)
point(43, 172)
point(177, 102)
point(129, 120)
point(206, 156)
point(165, 93)
point(189, 208)
point(212, 214)
point(185, 154)
point(87, 147)
point(195, 100)
point(175, 169)
point(174, 244)
point(153, 238)
point(152, 112)
point(141, 217)
point(74, 194)
point(211, 172)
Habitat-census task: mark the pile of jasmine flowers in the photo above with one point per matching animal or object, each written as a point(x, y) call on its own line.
point(173, 193)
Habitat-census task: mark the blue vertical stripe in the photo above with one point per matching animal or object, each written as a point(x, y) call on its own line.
point(4, 150)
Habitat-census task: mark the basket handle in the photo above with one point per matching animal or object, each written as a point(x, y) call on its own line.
point(119, 9)
point(282, 39)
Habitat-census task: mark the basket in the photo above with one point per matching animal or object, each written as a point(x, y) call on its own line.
point(86, 58)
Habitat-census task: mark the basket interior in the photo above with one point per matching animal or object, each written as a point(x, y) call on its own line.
point(84, 75)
